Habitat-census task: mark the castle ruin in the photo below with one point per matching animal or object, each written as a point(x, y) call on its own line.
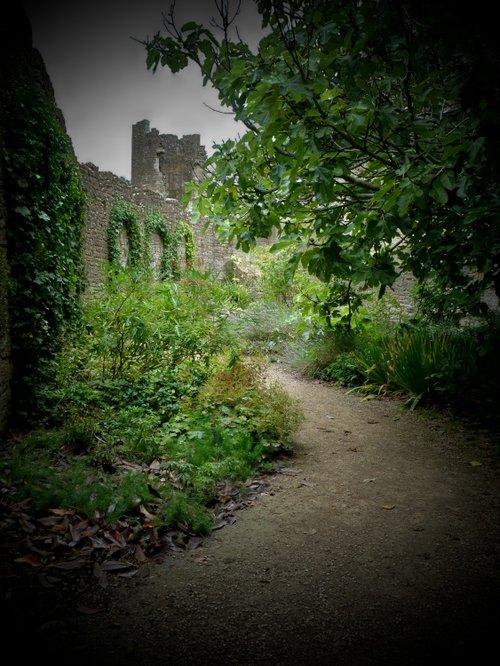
point(164, 163)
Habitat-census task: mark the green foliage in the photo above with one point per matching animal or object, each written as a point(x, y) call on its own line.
point(324, 350)
point(203, 454)
point(152, 375)
point(185, 235)
point(125, 216)
point(237, 293)
point(427, 363)
point(438, 304)
point(371, 143)
point(137, 326)
point(344, 370)
point(51, 480)
point(155, 222)
point(45, 207)
point(277, 277)
point(182, 510)
point(237, 396)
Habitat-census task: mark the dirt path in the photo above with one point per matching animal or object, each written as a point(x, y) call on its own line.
point(378, 545)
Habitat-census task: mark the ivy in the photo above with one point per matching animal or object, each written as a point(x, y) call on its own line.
point(155, 222)
point(45, 212)
point(185, 234)
point(124, 215)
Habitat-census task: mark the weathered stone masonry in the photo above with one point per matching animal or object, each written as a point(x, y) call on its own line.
point(103, 188)
point(164, 163)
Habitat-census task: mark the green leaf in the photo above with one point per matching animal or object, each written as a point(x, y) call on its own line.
point(439, 194)
point(190, 26)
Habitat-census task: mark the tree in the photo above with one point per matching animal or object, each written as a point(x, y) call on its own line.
point(372, 142)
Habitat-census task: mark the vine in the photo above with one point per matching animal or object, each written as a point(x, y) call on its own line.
point(45, 211)
point(124, 215)
point(154, 221)
point(185, 233)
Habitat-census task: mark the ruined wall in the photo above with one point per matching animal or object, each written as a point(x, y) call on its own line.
point(103, 187)
point(164, 162)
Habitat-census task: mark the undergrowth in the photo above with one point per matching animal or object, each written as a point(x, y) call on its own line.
point(154, 408)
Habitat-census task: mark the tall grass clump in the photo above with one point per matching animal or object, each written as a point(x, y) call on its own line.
point(429, 363)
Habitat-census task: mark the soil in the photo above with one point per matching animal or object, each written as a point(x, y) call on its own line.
point(377, 543)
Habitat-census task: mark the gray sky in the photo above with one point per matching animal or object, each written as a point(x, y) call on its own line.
point(101, 81)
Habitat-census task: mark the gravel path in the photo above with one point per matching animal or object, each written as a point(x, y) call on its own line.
point(379, 544)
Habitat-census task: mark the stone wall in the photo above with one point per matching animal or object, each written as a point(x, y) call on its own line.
point(164, 163)
point(103, 188)
point(5, 363)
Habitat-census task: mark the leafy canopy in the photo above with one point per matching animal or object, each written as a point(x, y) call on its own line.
point(372, 136)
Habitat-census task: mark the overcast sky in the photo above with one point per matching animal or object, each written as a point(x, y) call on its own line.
point(101, 81)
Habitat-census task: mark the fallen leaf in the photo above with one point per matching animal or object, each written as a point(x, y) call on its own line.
point(100, 575)
point(70, 564)
point(475, 463)
point(30, 559)
point(116, 538)
point(388, 507)
point(128, 574)
point(201, 559)
point(26, 524)
point(86, 610)
point(62, 512)
point(115, 565)
point(145, 512)
point(90, 531)
point(194, 542)
point(48, 521)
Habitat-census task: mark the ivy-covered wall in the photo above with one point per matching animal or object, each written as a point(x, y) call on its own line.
point(5, 360)
point(43, 221)
point(162, 225)
point(60, 222)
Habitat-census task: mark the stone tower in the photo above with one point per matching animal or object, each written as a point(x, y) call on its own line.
point(163, 162)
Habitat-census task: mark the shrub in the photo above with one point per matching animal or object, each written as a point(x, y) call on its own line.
point(344, 370)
